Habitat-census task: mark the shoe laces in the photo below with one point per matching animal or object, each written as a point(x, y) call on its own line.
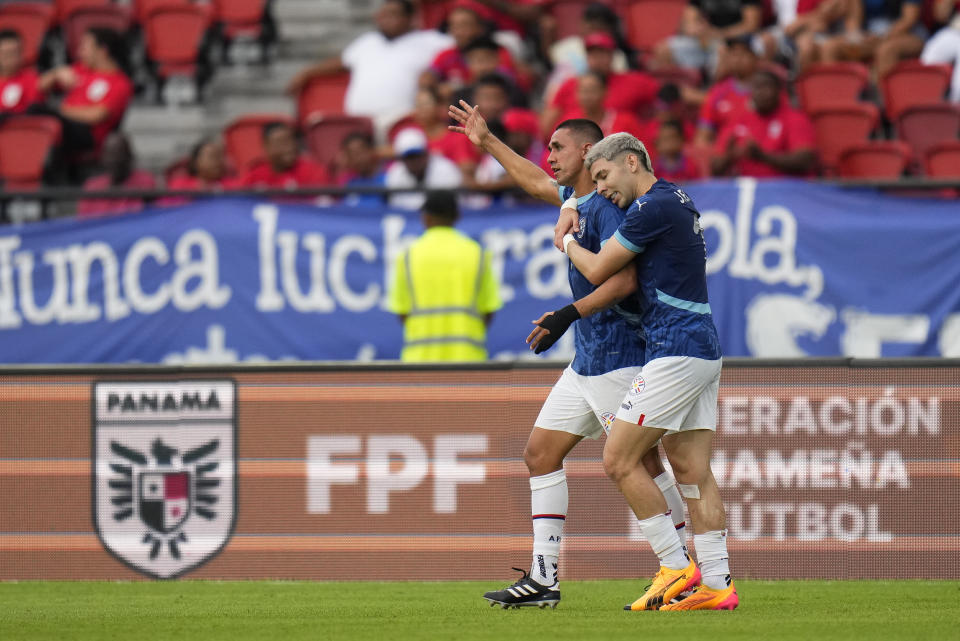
point(523, 578)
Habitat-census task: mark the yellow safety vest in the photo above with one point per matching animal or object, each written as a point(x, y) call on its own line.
point(445, 286)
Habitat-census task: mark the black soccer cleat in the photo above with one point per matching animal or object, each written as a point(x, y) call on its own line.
point(524, 593)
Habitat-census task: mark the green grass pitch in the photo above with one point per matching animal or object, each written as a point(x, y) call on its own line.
point(290, 611)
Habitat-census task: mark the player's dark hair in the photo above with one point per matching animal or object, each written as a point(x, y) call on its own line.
point(582, 129)
point(406, 5)
point(10, 34)
point(442, 203)
point(493, 80)
point(271, 127)
point(363, 136)
point(485, 43)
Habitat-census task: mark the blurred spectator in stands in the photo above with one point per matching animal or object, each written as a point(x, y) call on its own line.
point(97, 88)
point(362, 168)
point(19, 85)
point(384, 65)
point(592, 105)
point(769, 138)
point(416, 166)
point(705, 25)
point(569, 55)
point(430, 115)
point(119, 164)
point(801, 24)
point(520, 131)
point(468, 23)
point(672, 162)
point(884, 30)
point(727, 98)
point(285, 166)
point(515, 20)
point(491, 93)
point(944, 46)
point(633, 92)
point(670, 107)
point(206, 168)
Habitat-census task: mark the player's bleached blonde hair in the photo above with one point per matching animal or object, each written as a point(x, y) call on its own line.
point(614, 146)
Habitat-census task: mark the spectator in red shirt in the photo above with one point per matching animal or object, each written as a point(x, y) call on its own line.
point(592, 104)
point(670, 107)
point(727, 98)
point(672, 162)
point(206, 168)
point(285, 167)
point(97, 91)
point(770, 138)
point(430, 115)
point(121, 173)
point(19, 85)
point(467, 22)
point(632, 91)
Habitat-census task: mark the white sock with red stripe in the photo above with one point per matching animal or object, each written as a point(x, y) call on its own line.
point(548, 502)
point(675, 504)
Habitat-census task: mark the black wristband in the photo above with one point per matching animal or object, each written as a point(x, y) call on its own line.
point(556, 323)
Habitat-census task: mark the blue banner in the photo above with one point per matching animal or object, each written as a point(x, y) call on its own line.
point(795, 269)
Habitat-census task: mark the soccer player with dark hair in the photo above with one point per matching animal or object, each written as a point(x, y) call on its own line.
point(590, 390)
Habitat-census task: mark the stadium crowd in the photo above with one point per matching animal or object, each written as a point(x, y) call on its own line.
point(764, 88)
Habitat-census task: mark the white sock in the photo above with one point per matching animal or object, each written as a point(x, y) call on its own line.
point(661, 534)
point(675, 502)
point(548, 503)
point(713, 558)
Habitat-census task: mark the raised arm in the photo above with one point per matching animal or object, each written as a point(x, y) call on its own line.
point(531, 178)
point(552, 325)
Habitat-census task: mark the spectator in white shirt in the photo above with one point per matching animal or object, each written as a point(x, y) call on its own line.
point(384, 65)
point(417, 167)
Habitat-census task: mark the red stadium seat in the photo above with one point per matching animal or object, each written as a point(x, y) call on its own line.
point(842, 126)
point(325, 135)
point(874, 159)
point(143, 8)
point(173, 35)
point(650, 21)
point(30, 23)
point(322, 96)
point(111, 16)
point(433, 13)
point(65, 7)
point(243, 138)
point(910, 83)
point(923, 126)
point(25, 143)
point(828, 84)
point(240, 17)
point(567, 14)
point(943, 160)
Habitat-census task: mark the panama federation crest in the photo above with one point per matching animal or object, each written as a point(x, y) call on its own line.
point(164, 482)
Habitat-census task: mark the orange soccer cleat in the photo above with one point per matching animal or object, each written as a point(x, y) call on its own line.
point(704, 598)
point(666, 585)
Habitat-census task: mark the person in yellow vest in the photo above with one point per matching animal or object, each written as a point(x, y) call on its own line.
point(444, 289)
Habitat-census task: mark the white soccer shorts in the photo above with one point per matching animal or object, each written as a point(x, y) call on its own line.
point(674, 393)
point(585, 405)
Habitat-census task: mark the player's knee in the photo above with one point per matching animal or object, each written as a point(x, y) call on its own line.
point(540, 461)
point(616, 466)
point(652, 464)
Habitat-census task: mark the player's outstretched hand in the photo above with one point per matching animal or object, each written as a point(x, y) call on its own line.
point(473, 126)
point(550, 327)
point(567, 223)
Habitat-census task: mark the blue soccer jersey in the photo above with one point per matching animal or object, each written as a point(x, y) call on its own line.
point(611, 339)
point(663, 228)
